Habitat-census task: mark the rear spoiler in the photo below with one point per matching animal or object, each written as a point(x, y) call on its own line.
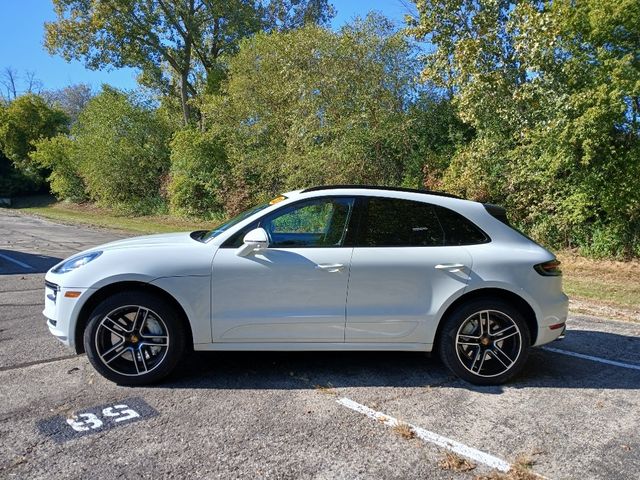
point(498, 212)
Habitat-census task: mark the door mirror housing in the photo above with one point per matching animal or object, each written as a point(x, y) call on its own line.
point(254, 241)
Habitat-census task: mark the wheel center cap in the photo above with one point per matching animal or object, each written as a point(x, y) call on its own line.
point(485, 341)
point(133, 339)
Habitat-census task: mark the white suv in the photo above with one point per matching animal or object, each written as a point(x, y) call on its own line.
point(326, 268)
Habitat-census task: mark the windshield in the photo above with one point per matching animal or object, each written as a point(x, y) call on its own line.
point(230, 223)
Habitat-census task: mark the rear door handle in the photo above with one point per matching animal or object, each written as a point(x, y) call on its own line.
point(451, 267)
point(330, 267)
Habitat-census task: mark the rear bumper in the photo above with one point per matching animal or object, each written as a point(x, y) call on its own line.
point(552, 326)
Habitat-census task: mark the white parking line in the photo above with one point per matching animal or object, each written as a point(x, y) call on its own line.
point(17, 262)
point(430, 437)
point(592, 358)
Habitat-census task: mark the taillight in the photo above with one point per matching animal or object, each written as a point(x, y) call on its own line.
point(549, 269)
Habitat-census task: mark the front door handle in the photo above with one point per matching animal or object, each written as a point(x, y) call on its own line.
point(451, 267)
point(330, 267)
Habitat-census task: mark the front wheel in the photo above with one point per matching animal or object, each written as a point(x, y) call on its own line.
point(134, 338)
point(485, 342)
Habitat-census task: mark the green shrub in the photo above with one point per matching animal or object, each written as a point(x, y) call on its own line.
point(312, 106)
point(15, 182)
point(198, 167)
point(121, 149)
point(57, 155)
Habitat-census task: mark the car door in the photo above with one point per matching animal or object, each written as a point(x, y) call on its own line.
point(293, 291)
point(401, 272)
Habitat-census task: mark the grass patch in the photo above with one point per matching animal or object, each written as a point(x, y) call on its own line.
point(520, 470)
point(327, 389)
point(87, 214)
point(404, 430)
point(609, 283)
point(456, 463)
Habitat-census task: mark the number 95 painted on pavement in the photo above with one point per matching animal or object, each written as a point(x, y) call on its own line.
point(95, 419)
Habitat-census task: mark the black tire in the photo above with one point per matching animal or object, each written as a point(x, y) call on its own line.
point(465, 341)
point(121, 353)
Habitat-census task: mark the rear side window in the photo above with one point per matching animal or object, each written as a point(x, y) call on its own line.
point(391, 222)
point(457, 229)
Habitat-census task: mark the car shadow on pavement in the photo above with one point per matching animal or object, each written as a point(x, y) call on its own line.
point(327, 370)
point(13, 262)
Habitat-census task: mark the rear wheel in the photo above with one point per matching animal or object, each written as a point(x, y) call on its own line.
point(134, 338)
point(485, 342)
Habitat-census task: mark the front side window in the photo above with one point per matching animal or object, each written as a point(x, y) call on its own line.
point(392, 222)
point(314, 223)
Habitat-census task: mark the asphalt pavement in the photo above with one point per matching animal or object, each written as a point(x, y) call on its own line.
point(575, 411)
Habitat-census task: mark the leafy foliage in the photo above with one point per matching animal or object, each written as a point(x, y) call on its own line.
point(176, 44)
point(552, 93)
point(198, 168)
point(528, 103)
point(123, 152)
point(15, 182)
point(23, 121)
point(57, 155)
point(117, 155)
point(311, 106)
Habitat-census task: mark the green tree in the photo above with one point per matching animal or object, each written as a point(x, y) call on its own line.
point(58, 155)
point(311, 106)
point(550, 90)
point(15, 182)
point(177, 44)
point(198, 170)
point(23, 121)
point(117, 153)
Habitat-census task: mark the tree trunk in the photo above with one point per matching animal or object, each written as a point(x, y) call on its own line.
point(184, 97)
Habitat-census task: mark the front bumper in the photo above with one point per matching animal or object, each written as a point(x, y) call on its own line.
point(61, 310)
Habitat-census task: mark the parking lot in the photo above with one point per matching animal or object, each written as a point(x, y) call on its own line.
point(575, 412)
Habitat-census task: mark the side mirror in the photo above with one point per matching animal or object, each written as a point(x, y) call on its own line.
point(255, 240)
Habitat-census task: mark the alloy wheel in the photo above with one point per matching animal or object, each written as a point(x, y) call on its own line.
point(132, 340)
point(488, 343)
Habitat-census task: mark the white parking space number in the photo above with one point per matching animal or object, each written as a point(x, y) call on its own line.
point(89, 421)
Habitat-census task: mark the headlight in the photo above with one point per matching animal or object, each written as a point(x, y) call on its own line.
point(76, 262)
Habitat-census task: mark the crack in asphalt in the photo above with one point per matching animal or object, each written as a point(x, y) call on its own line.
point(22, 290)
point(38, 362)
point(21, 304)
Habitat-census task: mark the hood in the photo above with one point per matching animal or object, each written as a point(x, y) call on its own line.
point(141, 259)
point(147, 241)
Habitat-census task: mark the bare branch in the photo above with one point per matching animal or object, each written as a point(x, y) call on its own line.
point(410, 9)
point(9, 80)
point(34, 85)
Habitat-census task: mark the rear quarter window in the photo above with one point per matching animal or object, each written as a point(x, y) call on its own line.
point(458, 230)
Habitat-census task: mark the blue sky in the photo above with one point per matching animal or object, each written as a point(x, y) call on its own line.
point(21, 34)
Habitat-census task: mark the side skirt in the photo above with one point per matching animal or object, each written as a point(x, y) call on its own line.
point(310, 347)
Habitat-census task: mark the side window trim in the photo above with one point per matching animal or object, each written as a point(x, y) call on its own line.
point(356, 225)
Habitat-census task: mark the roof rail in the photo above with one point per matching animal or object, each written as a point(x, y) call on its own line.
point(381, 187)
